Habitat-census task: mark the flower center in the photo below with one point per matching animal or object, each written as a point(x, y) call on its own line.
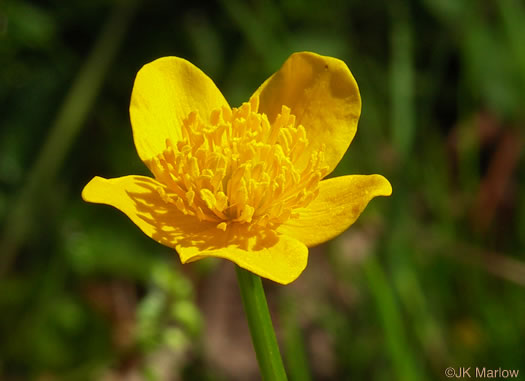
point(239, 168)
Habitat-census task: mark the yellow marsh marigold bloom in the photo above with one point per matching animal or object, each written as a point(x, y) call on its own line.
point(245, 184)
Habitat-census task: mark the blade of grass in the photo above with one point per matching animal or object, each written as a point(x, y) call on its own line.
point(512, 14)
point(391, 321)
point(402, 125)
point(295, 349)
point(401, 80)
point(64, 130)
point(258, 33)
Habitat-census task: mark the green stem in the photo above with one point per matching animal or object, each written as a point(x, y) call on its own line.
point(261, 328)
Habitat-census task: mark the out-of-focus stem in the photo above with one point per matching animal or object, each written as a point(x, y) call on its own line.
point(64, 130)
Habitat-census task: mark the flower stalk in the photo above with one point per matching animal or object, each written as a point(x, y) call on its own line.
point(261, 327)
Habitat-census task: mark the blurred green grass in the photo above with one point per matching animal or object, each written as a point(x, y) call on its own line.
point(432, 277)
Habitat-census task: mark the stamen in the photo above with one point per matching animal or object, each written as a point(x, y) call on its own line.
point(237, 168)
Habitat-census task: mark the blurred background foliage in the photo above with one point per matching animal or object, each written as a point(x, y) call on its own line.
point(432, 277)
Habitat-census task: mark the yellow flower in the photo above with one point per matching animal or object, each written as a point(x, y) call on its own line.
point(245, 184)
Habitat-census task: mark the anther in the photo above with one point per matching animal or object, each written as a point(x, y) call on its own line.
point(234, 166)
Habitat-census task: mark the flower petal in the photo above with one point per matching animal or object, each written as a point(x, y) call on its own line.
point(165, 92)
point(262, 252)
point(323, 95)
point(278, 258)
point(139, 199)
point(341, 200)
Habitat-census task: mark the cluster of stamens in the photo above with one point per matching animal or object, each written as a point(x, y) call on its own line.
point(237, 167)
